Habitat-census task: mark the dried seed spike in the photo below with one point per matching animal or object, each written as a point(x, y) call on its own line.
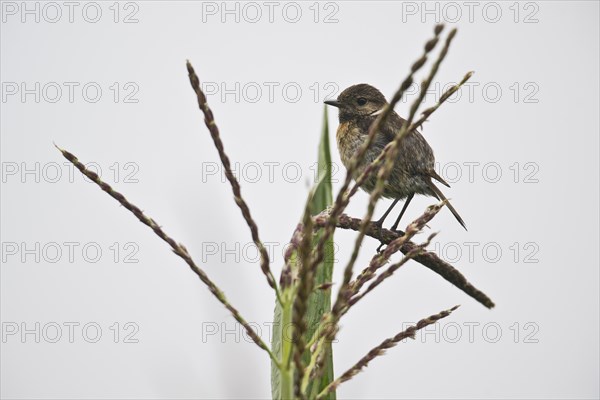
point(418, 64)
point(235, 186)
point(406, 84)
point(428, 259)
point(431, 44)
point(379, 350)
point(175, 247)
point(325, 286)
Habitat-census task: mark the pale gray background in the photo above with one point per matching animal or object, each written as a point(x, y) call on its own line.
point(555, 356)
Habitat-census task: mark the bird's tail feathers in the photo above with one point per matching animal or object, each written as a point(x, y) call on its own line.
point(438, 193)
point(438, 178)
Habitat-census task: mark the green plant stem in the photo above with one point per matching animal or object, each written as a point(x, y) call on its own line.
point(319, 347)
point(287, 349)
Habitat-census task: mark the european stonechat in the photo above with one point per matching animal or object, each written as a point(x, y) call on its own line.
point(413, 170)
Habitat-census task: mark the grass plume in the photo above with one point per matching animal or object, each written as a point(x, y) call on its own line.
point(177, 248)
point(380, 349)
point(209, 120)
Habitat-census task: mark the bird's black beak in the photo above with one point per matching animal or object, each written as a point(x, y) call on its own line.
point(334, 103)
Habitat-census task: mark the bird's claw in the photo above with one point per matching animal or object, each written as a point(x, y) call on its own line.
point(379, 225)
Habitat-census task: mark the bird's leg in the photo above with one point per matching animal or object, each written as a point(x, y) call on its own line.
point(404, 207)
point(379, 223)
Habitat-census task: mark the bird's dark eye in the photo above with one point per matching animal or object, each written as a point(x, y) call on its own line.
point(361, 101)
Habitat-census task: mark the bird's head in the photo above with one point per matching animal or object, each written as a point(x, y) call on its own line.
point(358, 101)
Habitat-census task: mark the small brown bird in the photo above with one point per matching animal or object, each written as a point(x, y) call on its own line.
point(413, 170)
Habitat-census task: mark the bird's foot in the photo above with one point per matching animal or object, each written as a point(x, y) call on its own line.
point(379, 225)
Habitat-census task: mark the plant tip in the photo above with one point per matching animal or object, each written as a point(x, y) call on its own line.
point(55, 145)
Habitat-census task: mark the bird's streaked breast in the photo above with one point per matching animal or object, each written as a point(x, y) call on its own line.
point(348, 140)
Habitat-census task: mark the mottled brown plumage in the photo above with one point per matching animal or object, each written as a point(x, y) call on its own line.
point(413, 169)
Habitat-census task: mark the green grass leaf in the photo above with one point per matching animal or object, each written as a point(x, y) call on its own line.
point(319, 302)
